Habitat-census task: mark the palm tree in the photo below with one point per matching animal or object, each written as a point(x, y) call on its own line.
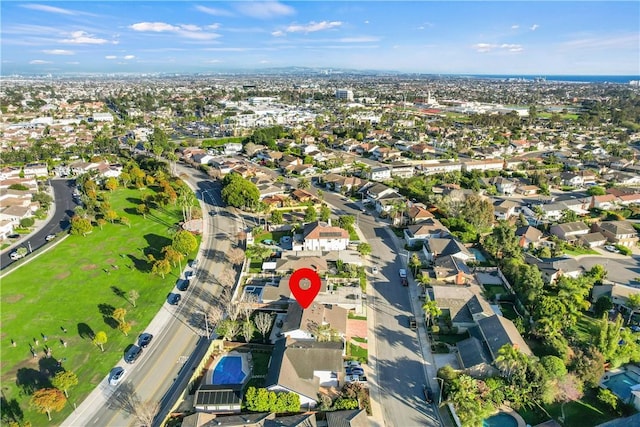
point(415, 262)
point(431, 310)
point(304, 183)
point(509, 359)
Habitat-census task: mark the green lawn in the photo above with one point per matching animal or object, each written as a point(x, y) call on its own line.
point(492, 290)
point(358, 352)
point(508, 311)
point(451, 338)
point(587, 329)
point(71, 287)
point(586, 412)
point(581, 251)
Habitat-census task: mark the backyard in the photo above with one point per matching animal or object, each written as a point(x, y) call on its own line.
point(62, 298)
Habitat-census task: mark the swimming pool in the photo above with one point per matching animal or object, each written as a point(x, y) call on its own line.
point(621, 384)
point(501, 419)
point(478, 254)
point(229, 371)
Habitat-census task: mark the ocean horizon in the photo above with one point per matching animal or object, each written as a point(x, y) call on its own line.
point(572, 78)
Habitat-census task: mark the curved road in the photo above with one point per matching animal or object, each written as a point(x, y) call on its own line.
point(64, 206)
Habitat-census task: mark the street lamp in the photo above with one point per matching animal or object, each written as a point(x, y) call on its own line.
point(441, 385)
point(206, 322)
point(30, 250)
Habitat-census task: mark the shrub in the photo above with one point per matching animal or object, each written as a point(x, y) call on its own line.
point(27, 222)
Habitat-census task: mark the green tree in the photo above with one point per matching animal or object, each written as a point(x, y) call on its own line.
point(633, 304)
point(602, 305)
point(364, 249)
point(100, 339)
point(161, 267)
point(111, 215)
point(554, 366)
point(596, 190)
point(607, 397)
point(325, 213)
point(415, 263)
point(277, 217)
point(111, 184)
point(239, 192)
point(248, 329)
point(46, 400)
point(568, 215)
point(184, 242)
point(125, 328)
point(477, 211)
point(27, 222)
point(173, 256)
point(303, 183)
point(119, 314)
point(503, 242)
point(80, 225)
point(228, 329)
point(310, 214)
point(509, 360)
point(142, 209)
point(431, 311)
point(64, 380)
point(258, 252)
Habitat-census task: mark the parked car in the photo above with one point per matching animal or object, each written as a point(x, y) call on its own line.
point(13, 236)
point(355, 371)
point(351, 363)
point(612, 248)
point(403, 273)
point(404, 281)
point(356, 379)
point(132, 354)
point(144, 340)
point(116, 375)
point(174, 299)
point(183, 285)
point(50, 237)
point(15, 255)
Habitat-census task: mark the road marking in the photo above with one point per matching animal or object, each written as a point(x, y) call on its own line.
point(182, 360)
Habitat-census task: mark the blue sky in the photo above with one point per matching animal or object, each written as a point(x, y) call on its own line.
point(538, 38)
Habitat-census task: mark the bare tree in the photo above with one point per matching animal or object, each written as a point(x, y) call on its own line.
point(263, 323)
point(248, 304)
point(215, 314)
point(232, 308)
point(133, 296)
point(145, 413)
point(227, 278)
point(235, 256)
point(248, 329)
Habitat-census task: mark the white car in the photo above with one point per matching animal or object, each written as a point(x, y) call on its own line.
point(352, 364)
point(15, 255)
point(356, 379)
point(50, 237)
point(612, 248)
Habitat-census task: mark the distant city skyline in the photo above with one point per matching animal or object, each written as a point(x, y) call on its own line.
point(525, 38)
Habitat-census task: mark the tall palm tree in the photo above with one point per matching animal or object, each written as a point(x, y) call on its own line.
point(509, 359)
point(431, 310)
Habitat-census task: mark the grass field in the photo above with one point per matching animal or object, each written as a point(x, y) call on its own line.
point(586, 412)
point(75, 286)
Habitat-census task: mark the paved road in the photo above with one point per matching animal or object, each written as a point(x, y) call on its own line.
point(620, 269)
point(398, 364)
point(178, 345)
point(64, 205)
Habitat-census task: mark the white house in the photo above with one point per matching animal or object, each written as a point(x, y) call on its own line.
point(320, 236)
point(102, 117)
point(380, 174)
point(36, 170)
point(232, 148)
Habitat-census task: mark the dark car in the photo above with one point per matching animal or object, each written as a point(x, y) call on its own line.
point(132, 354)
point(412, 322)
point(116, 375)
point(183, 285)
point(144, 340)
point(174, 299)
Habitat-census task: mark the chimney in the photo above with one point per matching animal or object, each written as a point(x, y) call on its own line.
point(329, 222)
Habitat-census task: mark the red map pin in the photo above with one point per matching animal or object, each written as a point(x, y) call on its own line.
point(305, 285)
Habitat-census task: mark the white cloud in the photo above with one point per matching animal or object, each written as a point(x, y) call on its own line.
point(277, 33)
point(190, 27)
point(39, 62)
point(127, 57)
point(534, 27)
point(58, 52)
point(363, 39)
point(264, 61)
point(212, 27)
point(110, 57)
point(312, 27)
point(50, 9)
point(82, 37)
point(623, 41)
point(488, 47)
point(72, 62)
point(213, 11)
point(156, 27)
point(264, 9)
point(213, 61)
point(366, 22)
point(515, 27)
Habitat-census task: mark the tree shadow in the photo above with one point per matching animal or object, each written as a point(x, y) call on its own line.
point(131, 211)
point(118, 292)
point(49, 366)
point(30, 380)
point(140, 264)
point(10, 411)
point(85, 331)
point(106, 309)
point(134, 200)
point(156, 242)
point(124, 399)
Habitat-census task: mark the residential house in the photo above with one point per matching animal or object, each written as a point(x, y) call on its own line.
point(269, 155)
point(232, 148)
point(279, 294)
point(450, 269)
point(619, 232)
point(421, 149)
point(319, 236)
point(528, 190)
point(578, 179)
point(302, 196)
point(569, 231)
point(436, 247)
point(202, 158)
point(528, 235)
point(223, 398)
point(505, 209)
point(304, 324)
point(15, 214)
point(35, 170)
point(425, 230)
point(604, 202)
point(629, 199)
point(256, 419)
point(592, 240)
point(303, 366)
point(380, 174)
point(348, 418)
point(302, 170)
point(440, 167)
point(503, 185)
point(478, 353)
point(483, 165)
point(463, 305)
point(386, 154)
point(402, 170)
point(9, 172)
point(618, 293)
point(336, 182)
point(6, 228)
point(418, 214)
point(288, 263)
point(552, 268)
